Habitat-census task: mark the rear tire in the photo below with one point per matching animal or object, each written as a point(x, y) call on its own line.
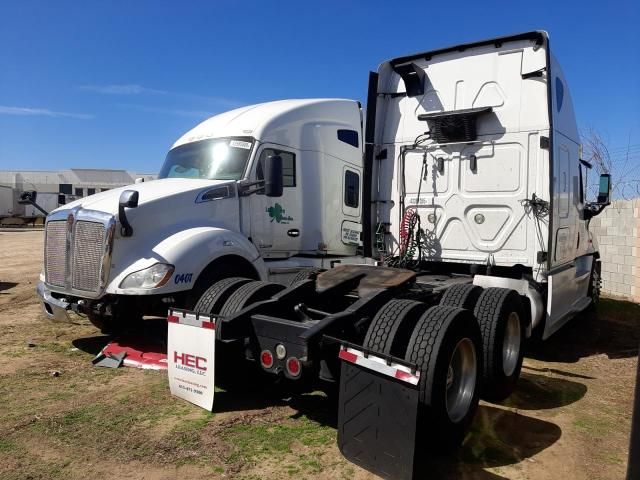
point(447, 347)
point(237, 370)
point(461, 295)
point(216, 295)
point(304, 274)
point(249, 293)
point(501, 317)
point(391, 327)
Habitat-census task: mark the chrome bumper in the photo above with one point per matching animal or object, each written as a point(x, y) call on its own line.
point(54, 308)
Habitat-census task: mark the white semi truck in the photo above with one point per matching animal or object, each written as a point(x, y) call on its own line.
point(450, 230)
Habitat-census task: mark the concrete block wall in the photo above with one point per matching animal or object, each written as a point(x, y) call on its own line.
point(616, 230)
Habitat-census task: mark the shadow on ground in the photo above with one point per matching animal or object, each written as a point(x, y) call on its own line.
point(540, 392)
point(7, 286)
point(150, 334)
point(496, 439)
point(614, 330)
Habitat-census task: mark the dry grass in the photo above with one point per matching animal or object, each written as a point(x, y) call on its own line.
point(569, 418)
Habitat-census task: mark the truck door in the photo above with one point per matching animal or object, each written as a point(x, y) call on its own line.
point(568, 274)
point(276, 221)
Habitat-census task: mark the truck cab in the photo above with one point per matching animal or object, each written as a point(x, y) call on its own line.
point(479, 144)
point(136, 250)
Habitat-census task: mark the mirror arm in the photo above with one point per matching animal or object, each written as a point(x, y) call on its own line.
point(244, 189)
point(126, 230)
point(593, 209)
point(128, 199)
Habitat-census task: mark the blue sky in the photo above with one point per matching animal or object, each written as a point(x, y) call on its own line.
point(112, 84)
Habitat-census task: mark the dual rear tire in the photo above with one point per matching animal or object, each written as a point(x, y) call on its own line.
point(227, 297)
point(468, 346)
point(446, 345)
point(501, 317)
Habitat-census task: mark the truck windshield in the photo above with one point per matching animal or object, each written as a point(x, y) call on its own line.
point(215, 159)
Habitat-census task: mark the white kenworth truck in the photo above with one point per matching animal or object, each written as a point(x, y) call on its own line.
point(407, 263)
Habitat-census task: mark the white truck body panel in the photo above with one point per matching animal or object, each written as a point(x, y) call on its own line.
point(527, 145)
point(511, 166)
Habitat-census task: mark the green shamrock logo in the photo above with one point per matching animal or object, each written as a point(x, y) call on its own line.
point(276, 212)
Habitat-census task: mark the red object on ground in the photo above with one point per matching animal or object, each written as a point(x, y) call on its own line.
point(138, 355)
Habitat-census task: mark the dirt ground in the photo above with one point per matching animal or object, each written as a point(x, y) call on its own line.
point(60, 417)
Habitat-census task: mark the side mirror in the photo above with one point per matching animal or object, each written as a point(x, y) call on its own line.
point(129, 199)
point(140, 180)
point(27, 198)
point(604, 192)
point(272, 169)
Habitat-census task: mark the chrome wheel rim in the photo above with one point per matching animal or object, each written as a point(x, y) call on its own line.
point(461, 379)
point(511, 344)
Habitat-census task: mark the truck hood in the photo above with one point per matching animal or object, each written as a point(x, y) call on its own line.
point(148, 192)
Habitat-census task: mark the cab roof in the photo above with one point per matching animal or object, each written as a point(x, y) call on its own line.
point(286, 122)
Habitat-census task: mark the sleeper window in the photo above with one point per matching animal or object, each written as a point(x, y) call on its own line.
point(351, 189)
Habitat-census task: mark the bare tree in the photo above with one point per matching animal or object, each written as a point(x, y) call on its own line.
point(595, 151)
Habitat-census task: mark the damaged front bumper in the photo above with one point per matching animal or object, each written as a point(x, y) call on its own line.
point(54, 308)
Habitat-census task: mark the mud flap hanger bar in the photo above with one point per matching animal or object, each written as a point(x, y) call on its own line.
point(186, 317)
point(379, 362)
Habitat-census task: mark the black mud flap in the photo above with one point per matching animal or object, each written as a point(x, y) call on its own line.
point(377, 421)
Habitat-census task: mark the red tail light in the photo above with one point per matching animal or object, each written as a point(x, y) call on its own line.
point(293, 366)
point(266, 359)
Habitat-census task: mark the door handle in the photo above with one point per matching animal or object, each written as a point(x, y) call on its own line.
point(294, 232)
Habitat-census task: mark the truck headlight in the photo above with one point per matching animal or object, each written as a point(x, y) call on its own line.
point(151, 277)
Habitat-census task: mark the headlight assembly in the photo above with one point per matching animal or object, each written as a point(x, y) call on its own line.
point(151, 277)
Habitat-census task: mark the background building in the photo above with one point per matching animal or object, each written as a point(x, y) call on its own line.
point(57, 188)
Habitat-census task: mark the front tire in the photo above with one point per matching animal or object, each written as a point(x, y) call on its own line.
point(595, 285)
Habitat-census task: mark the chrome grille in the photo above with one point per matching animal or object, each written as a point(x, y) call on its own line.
point(55, 252)
point(88, 247)
point(78, 247)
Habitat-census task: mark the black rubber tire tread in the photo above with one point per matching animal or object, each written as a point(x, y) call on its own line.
point(461, 295)
point(425, 341)
point(216, 295)
point(594, 294)
point(249, 293)
point(304, 274)
point(430, 347)
point(492, 309)
point(392, 325)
